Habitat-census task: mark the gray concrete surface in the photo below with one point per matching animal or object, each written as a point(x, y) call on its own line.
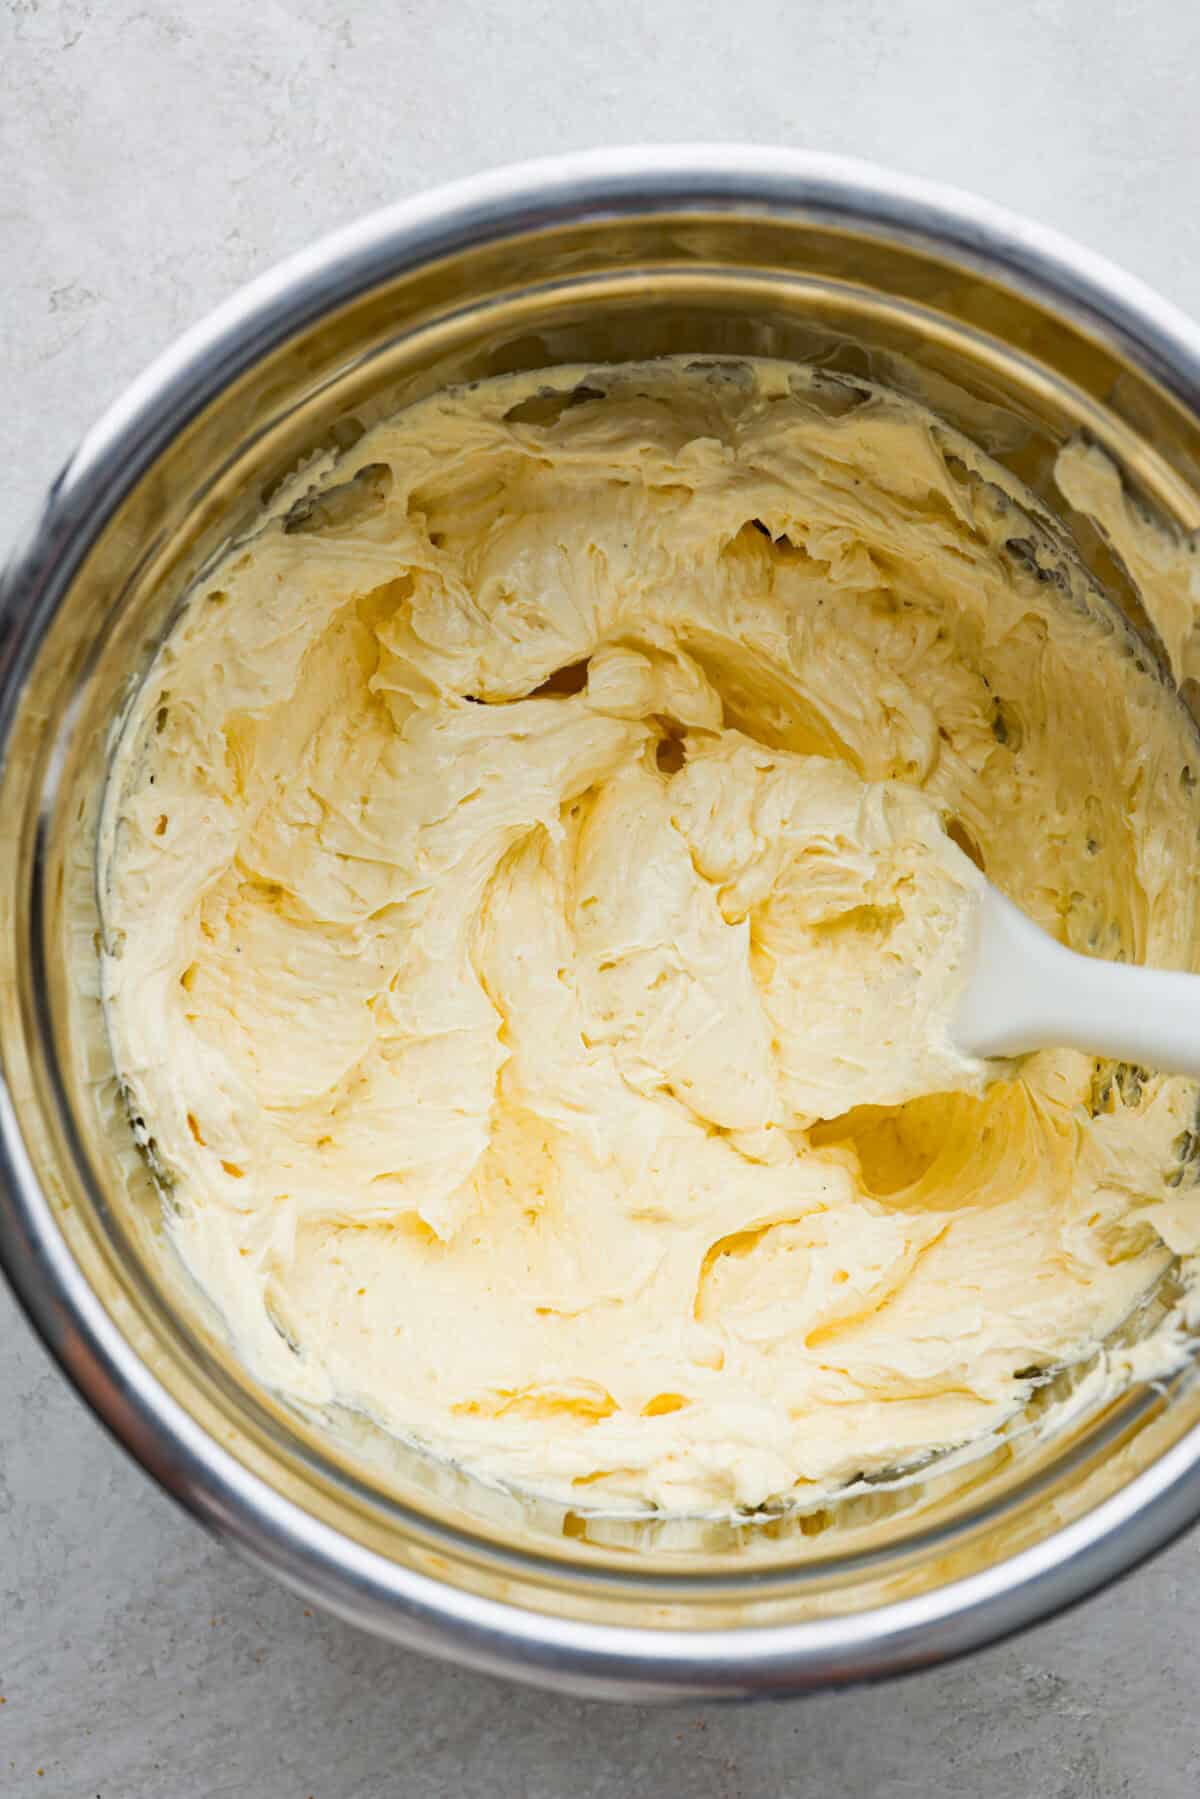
point(153, 155)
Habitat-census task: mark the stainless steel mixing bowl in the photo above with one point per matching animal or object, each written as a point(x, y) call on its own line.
point(1017, 337)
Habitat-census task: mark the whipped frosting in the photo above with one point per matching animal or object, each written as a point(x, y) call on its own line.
point(535, 875)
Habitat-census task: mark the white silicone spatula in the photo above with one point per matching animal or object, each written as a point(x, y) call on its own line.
point(1024, 991)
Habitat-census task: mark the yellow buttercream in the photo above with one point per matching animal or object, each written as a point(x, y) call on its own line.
point(535, 883)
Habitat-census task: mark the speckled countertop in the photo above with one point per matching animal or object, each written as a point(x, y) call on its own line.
point(154, 155)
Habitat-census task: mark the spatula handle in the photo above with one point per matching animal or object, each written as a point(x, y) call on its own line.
point(1027, 992)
